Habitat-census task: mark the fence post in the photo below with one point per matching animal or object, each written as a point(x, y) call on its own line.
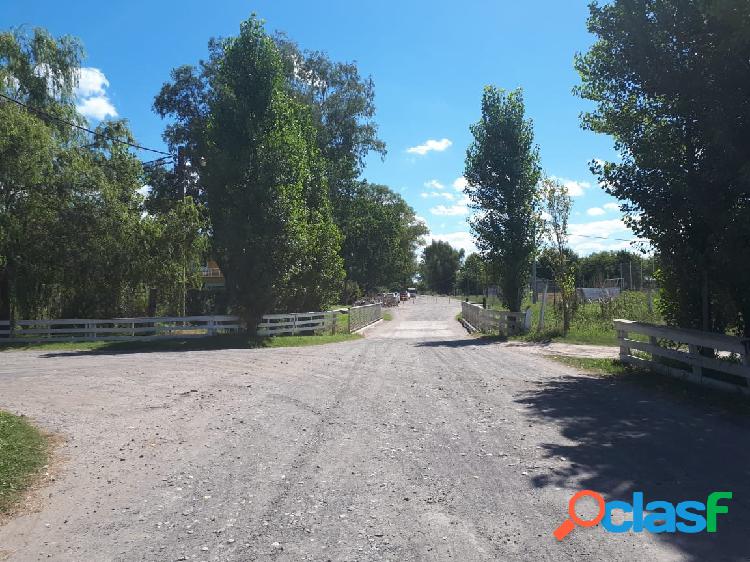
point(695, 355)
point(622, 335)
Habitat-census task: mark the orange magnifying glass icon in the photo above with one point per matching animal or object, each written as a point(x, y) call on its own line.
point(569, 524)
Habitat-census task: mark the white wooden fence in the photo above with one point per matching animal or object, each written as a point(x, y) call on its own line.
point(730, 371)
point(124, 329)
point(301, 322)
point(502, 321)
point(116, 329)
point(361, 316)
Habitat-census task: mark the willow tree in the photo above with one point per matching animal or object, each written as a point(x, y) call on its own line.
point(502, 173)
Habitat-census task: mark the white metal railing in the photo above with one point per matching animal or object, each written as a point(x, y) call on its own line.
point(665, 353)
point(361, 316)
point(299, 322)
point(501, 321)
point(116, 329)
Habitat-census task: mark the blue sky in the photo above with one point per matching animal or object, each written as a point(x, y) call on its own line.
point(429, 61)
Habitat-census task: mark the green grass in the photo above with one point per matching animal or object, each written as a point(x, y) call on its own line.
point(387, 316)
point(591, 323)
point(23, 452)
point(301, 341)
point(594, 365)
point(230, 341)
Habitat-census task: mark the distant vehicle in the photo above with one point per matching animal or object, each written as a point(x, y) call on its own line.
point(412, 292)
point(405, 295)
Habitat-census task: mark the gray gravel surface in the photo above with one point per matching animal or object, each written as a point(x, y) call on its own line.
point(415, 443)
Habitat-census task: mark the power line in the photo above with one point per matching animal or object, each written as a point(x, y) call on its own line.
point(609, 238)
point(82, 128)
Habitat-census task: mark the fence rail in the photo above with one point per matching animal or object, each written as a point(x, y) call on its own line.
point(299, 322)
point(501, 321)
point(116, 329)
point(729, 371)
point(361, 316)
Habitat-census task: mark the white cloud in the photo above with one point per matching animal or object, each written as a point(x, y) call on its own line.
point(91, 92)
point(97, 107)
point(595, 236)
point(604, 228)
point(430, 145)
point(434, 184)
point(575, 188)
point(595, 211)
point(91, 82)
point(461, 207)
point(452, 211)
point(445, 194)
point(460, 183)
point(459, 240)
point(612, 206)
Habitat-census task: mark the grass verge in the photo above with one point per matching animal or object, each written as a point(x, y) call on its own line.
point(228, 341)
point(23, 453)
point(387, 316)
point(594, 365)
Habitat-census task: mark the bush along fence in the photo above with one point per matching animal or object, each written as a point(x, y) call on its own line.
point(709, 359)
point(148, 328)
point(503, 322)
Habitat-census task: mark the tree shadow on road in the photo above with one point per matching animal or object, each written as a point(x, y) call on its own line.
point(638, 432)
point(468, 341)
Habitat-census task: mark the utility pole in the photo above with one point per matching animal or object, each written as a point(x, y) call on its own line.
point(630, 266)
point(182, 183)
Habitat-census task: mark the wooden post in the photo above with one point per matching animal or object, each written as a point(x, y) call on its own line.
point(622, 335)
point(695, 355)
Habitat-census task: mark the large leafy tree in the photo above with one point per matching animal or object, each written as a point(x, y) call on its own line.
point(502, 172)
point(40, 71)
point(382, 236)
point(74, 240)
point(472, 277)
point(261, 173)
point(439, 267)
point(342, 104)
point(671, 84)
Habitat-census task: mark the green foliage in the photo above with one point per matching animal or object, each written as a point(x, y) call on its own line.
point(262, 174)
point(558, 205)
point(502, 171)
point(24, 453)
point(591, 323)
point(439, 267)
point(342, 104)
point(671, 88)
point(74, 239)
point(472, 276)
point(381, 235)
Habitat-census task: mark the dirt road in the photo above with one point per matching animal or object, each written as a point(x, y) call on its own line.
point(415, 443)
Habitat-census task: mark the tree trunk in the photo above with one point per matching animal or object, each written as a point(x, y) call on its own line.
point(5, 298)
point(705, 302)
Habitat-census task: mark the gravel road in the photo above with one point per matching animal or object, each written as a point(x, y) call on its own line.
point(417, 442)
